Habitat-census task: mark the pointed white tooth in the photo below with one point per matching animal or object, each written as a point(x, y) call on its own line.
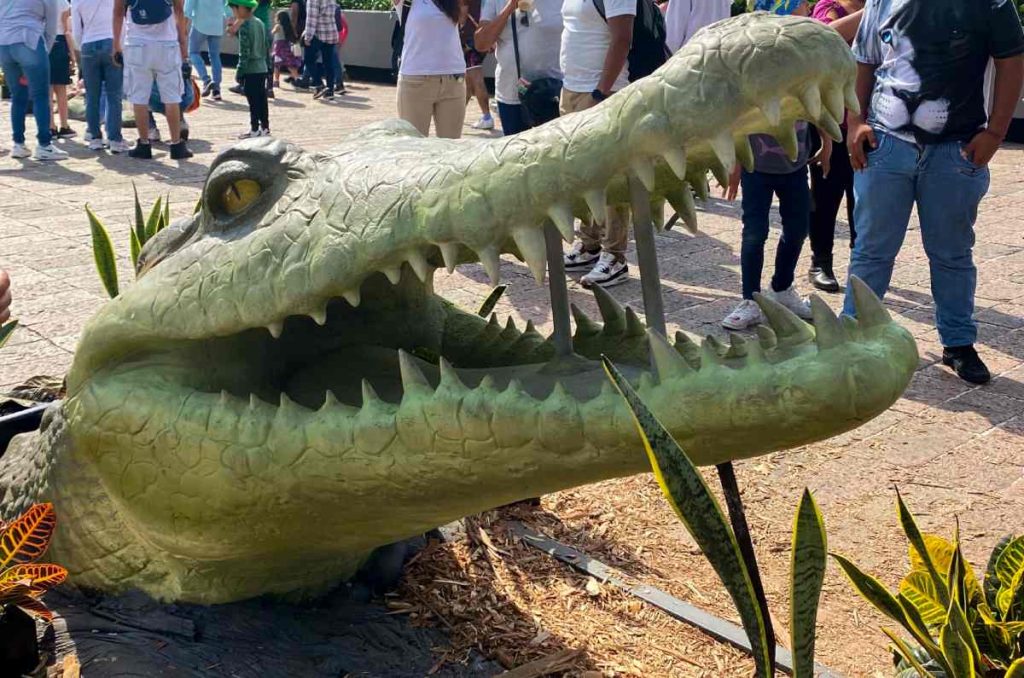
point(286, 402)
point(276, 328)
point(561, 215)
point(330, 400)
point(690, 351)
point(786, 137)
point(394, 274)
point(370, 396)
point(253, 401)
point(745, 154)
point(419, 264)
point(788, 327)
point(725, 150)
point(224, 397)
point(833, 100)
point(352, 297)
point(450, 254)
point(585, 327)
point(870, 311)
point(772, 110)
point(491, 262)
point(412, 376)
point(634, 326)
point(612, 313)
point(827, 124)
point(319, 316)
point(766, 337)
point(850, 98)
point(530, 242)
point(597, 202)
point(667, 361)
point(676, 159)
point(810, 97)
point(682, 202)
point(449, 377)
point(737, 346)
point(644, 171)
point(828, 333)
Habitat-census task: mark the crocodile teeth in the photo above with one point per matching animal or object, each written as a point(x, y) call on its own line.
point(766, 337)
point(450, 255)
point(597, 202)
point(720, 173)
point(634, 326)
point(585, 327)
point(827, 330)
point(561, 215)
point(789, 328)
point(449, 377)
point(644, 171)
point(330, 400)
point(412, 376)
point(286, 403)
point(786, 137)
point(352, 297)
point(612, 313)
point(491, 262)
point(850, 97)
point(737, 346)
point(711, 351)
point(419, 264)
point(530, 242)
point(699, 182)
point(667, 361)
point(833, 101)
point(772, 110)
point(370, 397)
point(319, 316)
point(827, 123)
point(254, 402)
point(224, 397)
point(394, 274)
point(689, 350)
point(681, 200)
point(725, 150)
point(745, 153)
point(810, 97)
point(870, 311)
point(676, 159)
point(276, 328)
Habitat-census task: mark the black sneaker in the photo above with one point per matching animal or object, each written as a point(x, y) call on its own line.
point(216, 94)
point(328, 95)
point(301, 84)
point(966, 363)
point(319, 92)
point(142, 151)
point(207, 88)
point(823, 278)
point(66, 133)
point(270, 93)
point(237, 89)
point(179, 151)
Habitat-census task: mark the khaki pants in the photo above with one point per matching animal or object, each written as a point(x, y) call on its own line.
point(616, 232)
point(441, 97)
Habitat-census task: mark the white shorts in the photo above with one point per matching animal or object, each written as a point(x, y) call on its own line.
point(153, 62)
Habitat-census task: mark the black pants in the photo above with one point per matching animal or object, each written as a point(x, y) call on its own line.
point(826, 196)
point(324, 68)
point(255, 87)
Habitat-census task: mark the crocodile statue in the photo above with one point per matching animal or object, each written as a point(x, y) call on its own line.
point(281, 392)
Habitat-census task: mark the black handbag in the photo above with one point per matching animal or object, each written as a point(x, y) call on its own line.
point(539, 99)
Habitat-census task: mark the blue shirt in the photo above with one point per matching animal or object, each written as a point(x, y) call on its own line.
point(25, 22)
point(207, 15)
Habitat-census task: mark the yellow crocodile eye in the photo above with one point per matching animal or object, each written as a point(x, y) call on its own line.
point(240, 194)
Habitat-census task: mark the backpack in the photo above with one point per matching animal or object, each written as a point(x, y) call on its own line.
point(647, 51)
point(149, 12)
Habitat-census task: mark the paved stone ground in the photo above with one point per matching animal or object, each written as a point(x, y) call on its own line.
point(953, 447)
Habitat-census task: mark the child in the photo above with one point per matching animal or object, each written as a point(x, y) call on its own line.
point(774, 174)
point(252, 66)
point(285, 42)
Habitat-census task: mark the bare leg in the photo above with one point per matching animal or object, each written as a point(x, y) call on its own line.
point(142, 122)
point(173, 113)
point(61, 94)
point(277, 77)
point(477, 87)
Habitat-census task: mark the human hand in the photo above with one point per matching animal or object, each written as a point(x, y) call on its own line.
point(5, 297)
point(729, 192)
point(186, 70)
point(859, 133)
point(823, 157)
point(982, 147)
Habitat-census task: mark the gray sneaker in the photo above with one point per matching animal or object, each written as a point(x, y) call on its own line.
point(791, 300)
point(608, 271)
point(578, 257)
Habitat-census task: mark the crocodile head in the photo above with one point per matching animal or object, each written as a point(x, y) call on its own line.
point(282, 391)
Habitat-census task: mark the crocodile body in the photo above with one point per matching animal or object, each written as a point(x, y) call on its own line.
point(281, 392)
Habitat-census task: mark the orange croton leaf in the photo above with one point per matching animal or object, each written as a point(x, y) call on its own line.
point(26, 538)
point(40, 577)
point(34, 607)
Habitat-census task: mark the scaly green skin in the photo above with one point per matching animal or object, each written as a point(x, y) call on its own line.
point(169, 477)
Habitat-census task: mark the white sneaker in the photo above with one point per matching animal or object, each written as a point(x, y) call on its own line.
point(485, 122)
point(96, 144)
point(607, 271)
point(791, 300)
point(50, 152)
point(119, 146)
point(154, 134)
point(264, 132)
point(20, 151)
point(578, 257)
point(747, 314)
point(251, 134)
point(87, 136)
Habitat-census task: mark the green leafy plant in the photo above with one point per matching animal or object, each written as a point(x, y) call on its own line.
point(6, 330)
point(22, 542)
point(688, 494)
point(961, 628)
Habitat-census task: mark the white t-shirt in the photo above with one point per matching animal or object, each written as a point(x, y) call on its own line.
point(432, 45)
point(585, 42)
point(539, 44)
point(148, 34)
point(685, 17)
point(62, 6)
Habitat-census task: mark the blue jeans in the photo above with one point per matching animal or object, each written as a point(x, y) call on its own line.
point(947, 189)
point(511, 116)
point(795, 209)
point(196, 42)
point(324, 68)
point(18, 60)
point(104, 81)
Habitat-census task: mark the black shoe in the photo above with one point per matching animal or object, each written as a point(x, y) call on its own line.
point(966, 363)
point(237, 89)
point(216, 94)
point(179, 151)
point(207, 88)
point(141, 151)
point(289, 80)
point(319, 92)
point(328, 95)
point(823, 278)
point(301, 84)
point(66, 133)
point(270, 94)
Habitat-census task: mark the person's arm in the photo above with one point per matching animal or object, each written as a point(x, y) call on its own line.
point(293, 14)
point(77, 29)
point(859, 131)
point(1005, 94)
point(487, 32)
point(824, 155)
point(5, 297)
point(312, 17)
point(848, 25)
point(621, 29)
point(118, 24)
point(182, 25)
point(52, 14)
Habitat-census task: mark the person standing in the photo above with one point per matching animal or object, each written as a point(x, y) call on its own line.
point(28, 29)
point(539, 35)
point(252, 66)
point(321, 36)
point(594, 52)
point(683, 18)
point(154, 50)
point(207, 20)
point(93, 30)
point(475, 86)
point(61, 64)
point(926, 142)
point(432, 69)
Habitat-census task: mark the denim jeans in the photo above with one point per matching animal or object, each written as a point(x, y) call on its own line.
point(196, 42)
point(512, 120)
point(794, 207)
point(18, 60)
point(103, 82)
point(324, 69)
point(947, 189)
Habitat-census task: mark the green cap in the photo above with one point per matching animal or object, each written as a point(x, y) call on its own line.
point(251, 4)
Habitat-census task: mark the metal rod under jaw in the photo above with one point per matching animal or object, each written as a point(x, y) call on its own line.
point(558, 290)
point(650, 277)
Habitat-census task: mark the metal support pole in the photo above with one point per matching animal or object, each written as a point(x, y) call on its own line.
point(650, 278)
point(558, 290)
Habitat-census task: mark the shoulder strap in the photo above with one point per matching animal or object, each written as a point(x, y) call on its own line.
point(515, 44)
point(599, 6)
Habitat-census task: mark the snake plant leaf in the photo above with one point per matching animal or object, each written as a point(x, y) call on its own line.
point(917, 543)
point(956, 577)
point(140, 221)
point(166, 221)
point(908, 655)
point(956, 651)
point(1016, 669)
point(103, 254)
point(688, 494)
point(957, 619)
point(807, 573)
point(6, 330)
point(1010, 561)
point(134, 247)
point(917, 628)
point(1015, 605)
point(992, 583)
point(873, 591)
point(920, 590)
point(25, 539)
point(153, 221)
point(491, 301)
